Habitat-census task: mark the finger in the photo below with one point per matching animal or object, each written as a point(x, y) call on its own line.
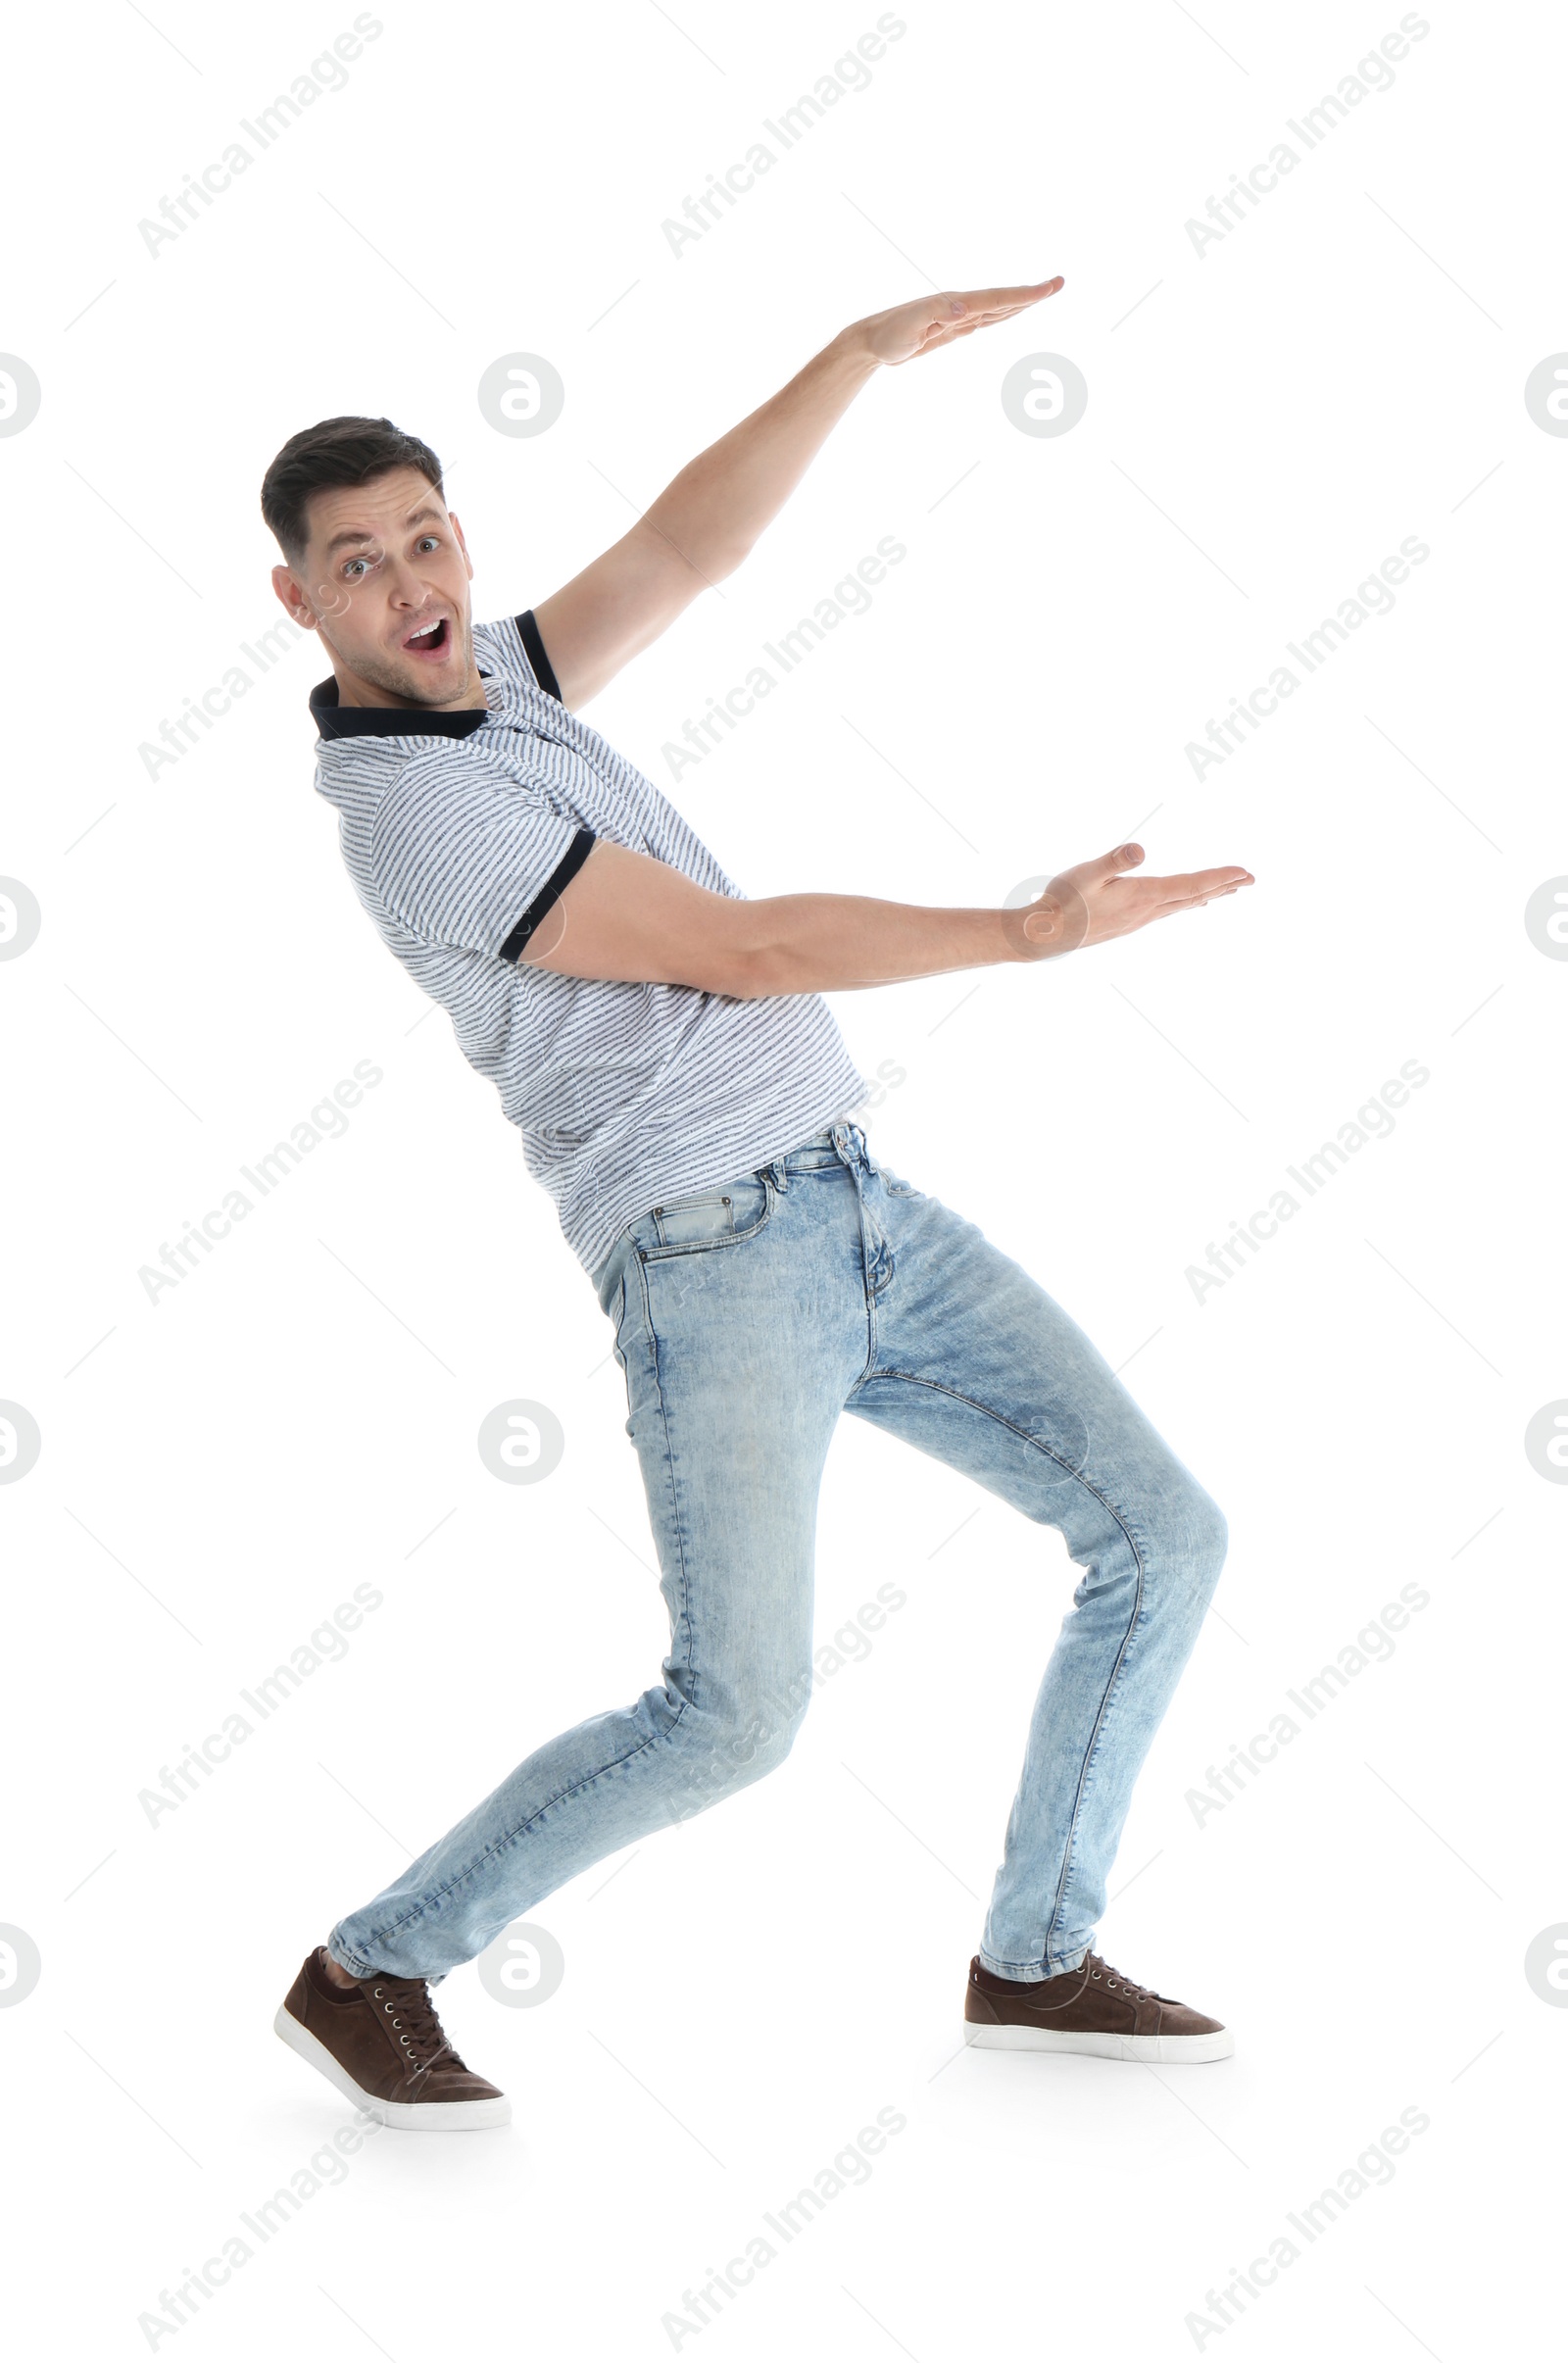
point(1086, 874)
point(982, 308)
point(1200, 882)
point(999, 300)
point(1183, 889)
point(958, 324)
point(1194, 901)
point(995, 312)
point(947, 332)
point(928, 316)
point(948, 316)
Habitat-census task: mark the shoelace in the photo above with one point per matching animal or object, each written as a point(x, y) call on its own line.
point(411, 2015)
point(1115, 1981)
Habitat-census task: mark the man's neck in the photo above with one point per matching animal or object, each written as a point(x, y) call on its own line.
point(352, 691)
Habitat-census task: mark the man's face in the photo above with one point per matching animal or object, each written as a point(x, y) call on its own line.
point(384, 580)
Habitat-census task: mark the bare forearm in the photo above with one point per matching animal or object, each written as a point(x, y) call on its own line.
point(713, 510)
point(709, 517)
point(829, 943)
point(629, 918)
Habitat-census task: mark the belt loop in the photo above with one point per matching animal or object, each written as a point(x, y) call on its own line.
point(850, 1142)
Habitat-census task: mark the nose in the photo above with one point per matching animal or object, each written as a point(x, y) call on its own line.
point(407, 587)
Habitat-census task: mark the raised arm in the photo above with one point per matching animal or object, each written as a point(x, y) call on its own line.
point(709, 517)
point(634, 920)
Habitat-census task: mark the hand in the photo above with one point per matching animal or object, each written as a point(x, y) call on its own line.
point(892, 337)
point(1094, 901)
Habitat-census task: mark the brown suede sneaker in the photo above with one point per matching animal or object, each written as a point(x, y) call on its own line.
point(382, 2044)
point(1090, 2008)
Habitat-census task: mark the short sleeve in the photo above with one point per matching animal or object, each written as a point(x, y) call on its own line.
point(539, 665)
point(514, 642)
point(467, 856)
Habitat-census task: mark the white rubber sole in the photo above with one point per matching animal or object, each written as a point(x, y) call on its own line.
point(411, 2116)
point(1159, 2051)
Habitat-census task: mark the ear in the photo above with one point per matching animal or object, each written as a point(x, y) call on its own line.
point(461, 544)
point(297, 606)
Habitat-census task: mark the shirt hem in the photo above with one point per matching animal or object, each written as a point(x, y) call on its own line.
point(750, 1149)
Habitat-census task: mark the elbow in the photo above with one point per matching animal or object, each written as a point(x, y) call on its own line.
point(747, 973)
point(754, 967)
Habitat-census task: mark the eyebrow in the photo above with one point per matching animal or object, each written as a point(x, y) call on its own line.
point(342, 541)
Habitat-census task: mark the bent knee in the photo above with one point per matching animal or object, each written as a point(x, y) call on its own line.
point(728, 1752)
point(1184, 1543)
point(1199, 1536)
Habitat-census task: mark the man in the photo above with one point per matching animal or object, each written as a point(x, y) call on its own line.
point(686, 1097)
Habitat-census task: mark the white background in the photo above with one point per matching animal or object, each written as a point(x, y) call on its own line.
point(1266, 423)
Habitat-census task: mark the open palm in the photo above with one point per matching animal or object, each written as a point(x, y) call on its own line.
point(1097, 900)
point(936, 320)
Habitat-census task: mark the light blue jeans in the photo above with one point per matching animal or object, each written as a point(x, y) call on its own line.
point(746, 1320)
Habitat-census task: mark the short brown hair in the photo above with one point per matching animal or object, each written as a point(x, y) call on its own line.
point(333, 452)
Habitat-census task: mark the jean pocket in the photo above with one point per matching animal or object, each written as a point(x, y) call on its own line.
point(710, 1218)
point(894, 1185)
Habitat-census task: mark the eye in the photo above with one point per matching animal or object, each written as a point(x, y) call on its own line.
point(432, 539)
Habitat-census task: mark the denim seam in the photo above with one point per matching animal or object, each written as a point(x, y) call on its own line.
point(668, 1248)
point(677, 1521)
point(416, 1911)
point(510, 1837)
point(1001, 1417)
point(866, 1262)
point(1093, 1749)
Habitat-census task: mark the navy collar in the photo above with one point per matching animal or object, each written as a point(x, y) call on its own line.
point(333, 721)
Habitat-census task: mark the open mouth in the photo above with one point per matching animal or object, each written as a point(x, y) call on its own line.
point(431, 640)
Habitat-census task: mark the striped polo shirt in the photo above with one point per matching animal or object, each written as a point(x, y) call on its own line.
point(460, 830)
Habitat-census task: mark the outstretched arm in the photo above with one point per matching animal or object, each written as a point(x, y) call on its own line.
point(708, 519)
point(635, 921)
